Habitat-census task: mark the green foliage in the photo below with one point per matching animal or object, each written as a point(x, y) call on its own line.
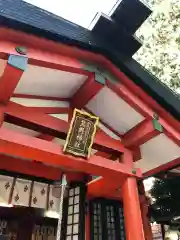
point(160, 34)
point(166, 193)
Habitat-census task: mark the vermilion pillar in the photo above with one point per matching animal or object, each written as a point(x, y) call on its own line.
point(131, 204)
point(132, 212)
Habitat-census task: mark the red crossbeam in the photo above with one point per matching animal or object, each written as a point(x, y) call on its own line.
point(34, 168)
point(50, 110)
point(26, 147)
point(140, 134)
point(46, 124)
point(101, 187)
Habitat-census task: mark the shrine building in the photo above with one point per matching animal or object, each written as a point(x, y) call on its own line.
point(80, 116)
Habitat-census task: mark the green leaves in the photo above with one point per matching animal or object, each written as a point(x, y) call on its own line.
point(166, 193)
point(160, 52)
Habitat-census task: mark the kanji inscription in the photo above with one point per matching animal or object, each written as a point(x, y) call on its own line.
point(81, 134)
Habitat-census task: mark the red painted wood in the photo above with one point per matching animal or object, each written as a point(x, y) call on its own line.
point(170, 124)
point(46, 59)
point(24, 117)
point(131, 98)
point(127, 158)
point(132, 211)
point(148, 100)
point(45, 137)
point(50, 110)
point(28, 96)
point(163, 167)
point(140, 134)
point(136, 154)
point(42, 45)
point(102, 187)
point(35, 168)
point(103, 154)
point(8, 82)
point(26, 147)
point(86, 92)
point(70, 114)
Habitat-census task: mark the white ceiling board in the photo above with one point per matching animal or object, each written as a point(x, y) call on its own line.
point(59, 141)
point(39, 102)
point(108, 132)
point(2, 66)
point(114, 111)
point(20, 129)
point(175, 171)
point(42, 81)
point(157, 151)
point(60, 116)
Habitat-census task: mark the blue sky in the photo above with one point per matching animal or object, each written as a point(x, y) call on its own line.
point(80, 12)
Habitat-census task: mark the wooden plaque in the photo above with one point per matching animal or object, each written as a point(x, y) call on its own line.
point(81, 134)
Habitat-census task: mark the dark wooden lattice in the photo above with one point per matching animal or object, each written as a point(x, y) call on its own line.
point(107, 220)
point(74, 213)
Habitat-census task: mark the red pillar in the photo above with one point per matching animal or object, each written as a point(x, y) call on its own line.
point(132, 211)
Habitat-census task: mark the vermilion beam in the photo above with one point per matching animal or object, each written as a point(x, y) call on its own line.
point(163, 167)
point(26, 147)
point(50, 59)
point(24, 117)
point(45, 137)
point(101, 187)
point(36, 169)
point(50, 110)
point(165, 117)
point(131, 98)
point(35, 44)
point(11, 77)
point(140, 134)
point(143, 108)
point(29, 96)
point(87, 91)
point(42, 58)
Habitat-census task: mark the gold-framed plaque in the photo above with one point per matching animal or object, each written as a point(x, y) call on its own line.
point(81, 134)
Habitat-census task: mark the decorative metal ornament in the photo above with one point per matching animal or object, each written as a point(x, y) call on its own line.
point(81, 134)
point(21, 50)
point(134, 171)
